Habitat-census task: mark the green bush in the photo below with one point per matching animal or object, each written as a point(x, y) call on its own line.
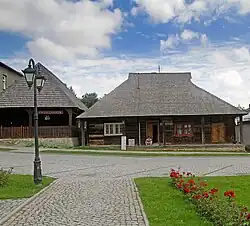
point(4, 176)
point(247, 148)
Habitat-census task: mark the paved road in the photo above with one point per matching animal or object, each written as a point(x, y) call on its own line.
point(98, 190)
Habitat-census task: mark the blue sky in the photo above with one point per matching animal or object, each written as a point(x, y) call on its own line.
point(93, 45)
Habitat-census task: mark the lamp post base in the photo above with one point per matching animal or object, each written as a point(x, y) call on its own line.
point(37, 172)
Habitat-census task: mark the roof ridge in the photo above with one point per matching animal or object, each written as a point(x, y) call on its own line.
point(65, 89)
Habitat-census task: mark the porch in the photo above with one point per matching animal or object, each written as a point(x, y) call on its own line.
point(163, 131)
point(22, 132)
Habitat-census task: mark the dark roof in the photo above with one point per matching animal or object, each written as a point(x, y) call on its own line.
point(159, 94)
point(10, 68)
point(54, 94)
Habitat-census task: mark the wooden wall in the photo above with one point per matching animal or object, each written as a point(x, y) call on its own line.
point(95, 129)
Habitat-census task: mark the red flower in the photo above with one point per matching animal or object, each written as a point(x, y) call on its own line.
point(179, 185)
point(229, 194)
point(191, 181)
point(205, 194)
point(213, 191)
point(197, 197)
point(248, 216)
point(174, 174)
point(186, 190)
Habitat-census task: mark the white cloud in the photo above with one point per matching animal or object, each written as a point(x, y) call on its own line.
point(163, 11)
point(189, 35)
point(185, 37)
point(62, 29)
point(217, 68)
point(170, 43)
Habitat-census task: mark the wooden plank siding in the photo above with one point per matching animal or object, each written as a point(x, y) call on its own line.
point(166, 129)
point(43, 132)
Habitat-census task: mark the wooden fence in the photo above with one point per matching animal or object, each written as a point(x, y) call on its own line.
point(43, 131)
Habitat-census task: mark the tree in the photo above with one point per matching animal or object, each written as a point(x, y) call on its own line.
point(89, 99)
point(72, 90)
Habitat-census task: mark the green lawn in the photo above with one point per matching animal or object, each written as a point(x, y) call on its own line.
point(7, 149)
point(165, 205)
point(22, 186)
point(145, 154)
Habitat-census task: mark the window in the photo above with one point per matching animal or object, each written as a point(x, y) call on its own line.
point(183, 129)
point(4, 82)
point(112, 129)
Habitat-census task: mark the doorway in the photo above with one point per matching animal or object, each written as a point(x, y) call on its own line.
point(218, 133)
point(153, 131)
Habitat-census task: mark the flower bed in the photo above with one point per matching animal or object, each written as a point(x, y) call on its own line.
point(220, 211)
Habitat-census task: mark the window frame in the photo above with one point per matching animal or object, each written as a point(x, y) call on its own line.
point(4, 81)
point(186, 129)
point(113, 124)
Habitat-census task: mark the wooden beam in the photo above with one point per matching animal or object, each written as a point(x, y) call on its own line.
point(83, 129)
point(163, 133)
point(241, 130)
point(70, 113)
point(139, 133)
point(202, 130)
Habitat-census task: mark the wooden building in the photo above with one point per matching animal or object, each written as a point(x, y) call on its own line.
point(166, 107)
point(8, 76)
point(57, 109)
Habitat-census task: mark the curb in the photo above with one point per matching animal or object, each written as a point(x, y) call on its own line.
point(140, 204)
point(29, 200)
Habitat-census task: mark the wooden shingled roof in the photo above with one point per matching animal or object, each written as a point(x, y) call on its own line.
point(159, 94)
point(54, 94)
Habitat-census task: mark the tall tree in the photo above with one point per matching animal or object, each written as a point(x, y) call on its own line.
point(89, 99)
point(72, 90)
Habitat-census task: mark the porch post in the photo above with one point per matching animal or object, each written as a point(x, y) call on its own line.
point(202, 130)
point(139, 132)
point(83, 128)
point(241, 129)
point(163, 132)
point(69, 110)
point(30, 113)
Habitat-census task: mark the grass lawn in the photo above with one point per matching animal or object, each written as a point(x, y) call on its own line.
point(144, 154)
point(7, 149)
point(150, 149)
point(165, 205)
point(22, 186)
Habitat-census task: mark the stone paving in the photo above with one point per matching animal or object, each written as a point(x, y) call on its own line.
point(98, 190)
point(7, 206)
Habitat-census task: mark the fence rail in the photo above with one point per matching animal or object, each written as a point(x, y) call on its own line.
point(43, 132)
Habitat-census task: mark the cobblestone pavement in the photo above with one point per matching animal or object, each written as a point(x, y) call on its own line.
point(98, 190)
point(7, 206)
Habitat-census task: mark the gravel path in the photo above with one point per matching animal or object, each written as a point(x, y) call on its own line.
point(98, 190)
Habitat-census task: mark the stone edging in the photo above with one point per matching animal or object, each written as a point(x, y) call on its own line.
point(29, 200)
point(140, 204)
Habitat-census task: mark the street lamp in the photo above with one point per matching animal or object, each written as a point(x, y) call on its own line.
point(34, 78)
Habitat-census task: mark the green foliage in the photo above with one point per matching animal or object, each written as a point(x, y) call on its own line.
point(4, 176)
point(221, 211)
point(89, 99)
point(247, 148)
point(72, 90)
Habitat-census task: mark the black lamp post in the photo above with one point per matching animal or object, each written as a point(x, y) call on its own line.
point(34, 78)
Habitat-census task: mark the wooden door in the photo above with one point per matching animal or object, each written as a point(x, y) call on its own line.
point(218, 133)
point(150, 129)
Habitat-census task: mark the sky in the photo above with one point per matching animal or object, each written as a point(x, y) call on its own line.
point(93, 45)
